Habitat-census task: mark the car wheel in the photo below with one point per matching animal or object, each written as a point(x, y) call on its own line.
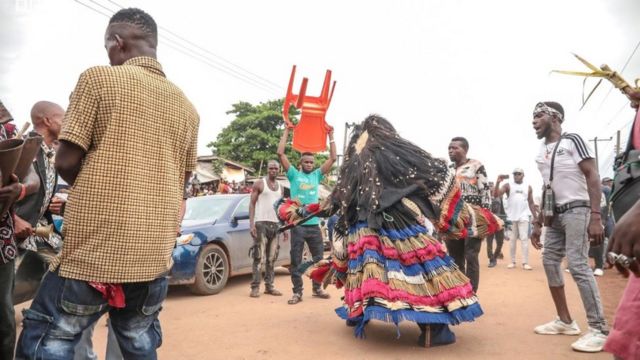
point(212, 271)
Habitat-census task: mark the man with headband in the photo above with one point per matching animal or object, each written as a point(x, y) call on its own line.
point(573, 220)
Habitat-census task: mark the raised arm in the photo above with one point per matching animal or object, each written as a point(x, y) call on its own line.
point(281, 147)
point(333, 156)
point(498, 190)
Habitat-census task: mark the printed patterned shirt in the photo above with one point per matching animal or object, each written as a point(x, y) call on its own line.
point(54, 240)
point(473, 183)
point(139, 132)
point(7, 239)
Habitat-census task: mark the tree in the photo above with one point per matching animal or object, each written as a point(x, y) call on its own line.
point(252, 137)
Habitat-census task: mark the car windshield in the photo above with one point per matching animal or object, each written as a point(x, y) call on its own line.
point(206, 207)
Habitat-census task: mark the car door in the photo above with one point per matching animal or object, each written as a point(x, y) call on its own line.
point(241, 240)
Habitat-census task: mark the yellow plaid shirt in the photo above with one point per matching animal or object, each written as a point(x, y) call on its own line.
point(140, 133)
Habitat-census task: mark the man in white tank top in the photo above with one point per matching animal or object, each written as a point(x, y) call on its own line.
point(264, 229)
point(520, 207)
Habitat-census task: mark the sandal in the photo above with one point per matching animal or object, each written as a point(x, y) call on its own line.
point(296, 298)
point(320, 294)
point(273, 292)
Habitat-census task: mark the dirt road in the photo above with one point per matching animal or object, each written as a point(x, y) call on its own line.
point(232, 325)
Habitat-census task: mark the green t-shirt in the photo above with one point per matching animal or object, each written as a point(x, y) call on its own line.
point(304, 187)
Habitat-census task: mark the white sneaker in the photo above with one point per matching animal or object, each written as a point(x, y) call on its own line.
point(598, 272)
point(511, 266)
point(592, 341)
point(527, 267)
point(557, 327)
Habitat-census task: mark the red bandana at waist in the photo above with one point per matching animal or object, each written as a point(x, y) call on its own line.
point(113, 293)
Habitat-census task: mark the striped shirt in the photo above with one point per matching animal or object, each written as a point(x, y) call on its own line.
point(569, 183)
point(139, 132)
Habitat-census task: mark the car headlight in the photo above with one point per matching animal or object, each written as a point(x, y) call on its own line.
point(184, 239)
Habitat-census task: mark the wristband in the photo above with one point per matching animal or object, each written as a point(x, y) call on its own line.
point(23, 192)
point(596, 212)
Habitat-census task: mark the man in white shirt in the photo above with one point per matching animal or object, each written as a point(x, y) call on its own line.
point(575, 222)
point(520, 207)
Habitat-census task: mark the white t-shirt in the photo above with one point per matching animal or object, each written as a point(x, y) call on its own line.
point(518, 202)
point(569, 183)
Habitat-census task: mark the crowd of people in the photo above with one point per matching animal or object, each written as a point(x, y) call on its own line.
point(407, 227)
point(219, 187)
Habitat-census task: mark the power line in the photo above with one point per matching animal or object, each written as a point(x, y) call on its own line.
point(96, 10)
point(621, 71)
point(268, 87)
point(202, 58)
point(617, 113)
point(211, 53)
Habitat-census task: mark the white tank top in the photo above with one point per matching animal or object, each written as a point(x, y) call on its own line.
point(266, 199)
point(517, 202)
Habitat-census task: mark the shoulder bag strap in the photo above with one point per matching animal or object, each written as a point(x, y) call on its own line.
point(553, 158)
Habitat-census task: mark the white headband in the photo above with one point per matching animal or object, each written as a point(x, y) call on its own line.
point(546, 109)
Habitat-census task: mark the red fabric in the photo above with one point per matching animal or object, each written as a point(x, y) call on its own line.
point(624, 338)
point(635, 132)
point(113, 293)
point(313, 208)
point(10, 129)
point(318, 274)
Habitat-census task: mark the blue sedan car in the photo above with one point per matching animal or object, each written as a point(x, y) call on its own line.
point(214, 243)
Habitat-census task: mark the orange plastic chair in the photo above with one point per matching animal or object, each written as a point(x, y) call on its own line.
point(310, 133)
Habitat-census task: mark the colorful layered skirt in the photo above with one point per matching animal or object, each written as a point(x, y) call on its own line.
point(400, 272)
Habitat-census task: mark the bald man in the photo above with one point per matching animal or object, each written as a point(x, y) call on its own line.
point(46, 118)
point(32, 211)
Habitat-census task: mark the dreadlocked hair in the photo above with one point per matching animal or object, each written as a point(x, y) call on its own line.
point(379, 169)
point(138, 18)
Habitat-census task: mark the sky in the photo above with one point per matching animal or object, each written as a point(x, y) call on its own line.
point(435, 69)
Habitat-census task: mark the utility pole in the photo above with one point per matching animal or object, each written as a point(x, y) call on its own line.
point(344, 144)
point(595, 146)
point(618, 150)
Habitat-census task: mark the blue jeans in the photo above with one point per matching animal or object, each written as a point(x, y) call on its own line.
point(63, 308)
point(84, 349)
point(313, 237)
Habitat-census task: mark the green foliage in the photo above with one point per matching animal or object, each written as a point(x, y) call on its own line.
point(252, 137)
point(217, 166)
